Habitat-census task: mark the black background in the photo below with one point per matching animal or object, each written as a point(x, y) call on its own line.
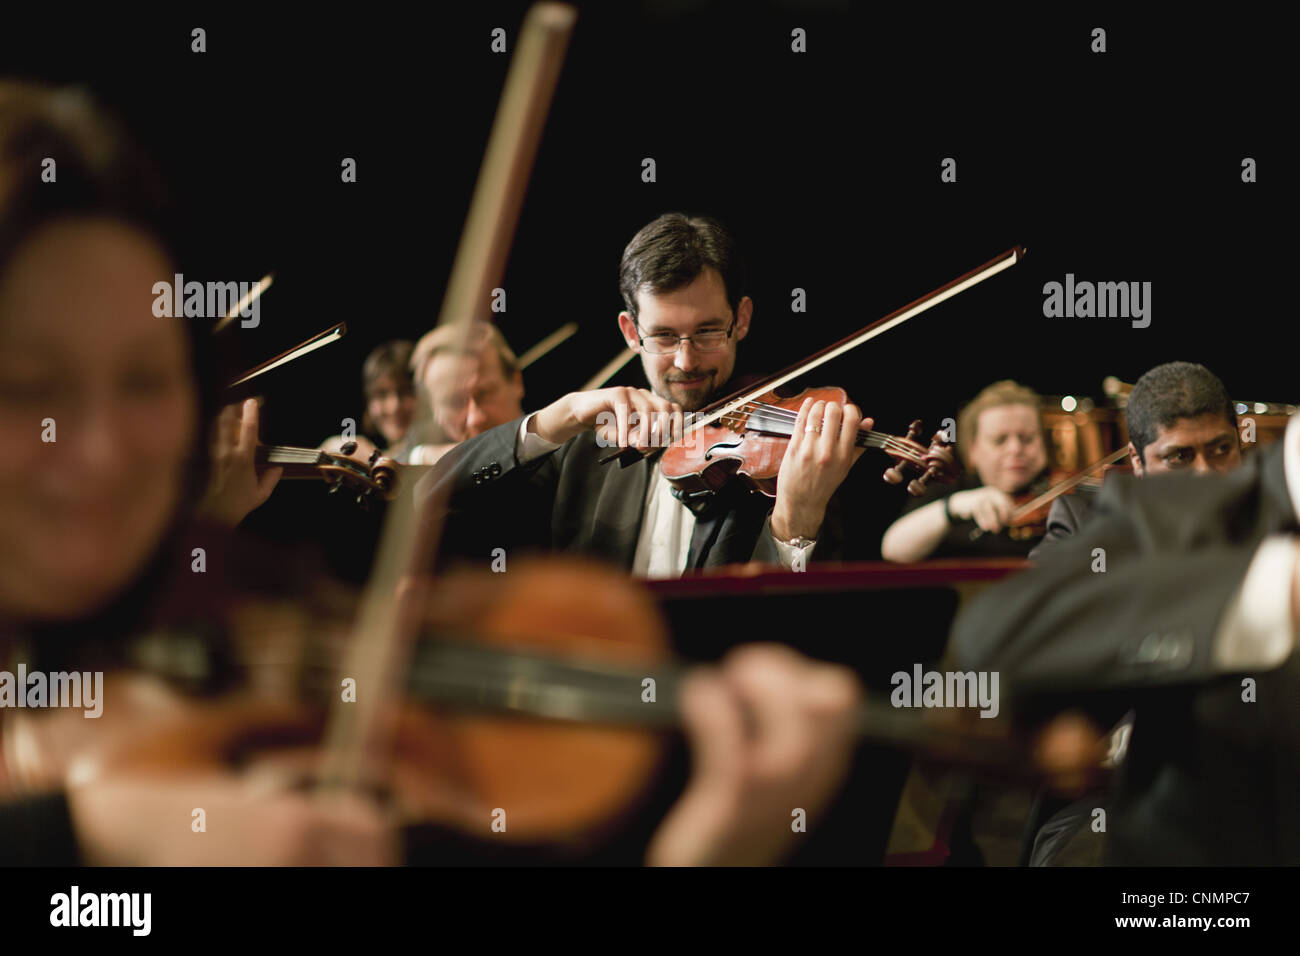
point(385, 906)
point(1123, 166)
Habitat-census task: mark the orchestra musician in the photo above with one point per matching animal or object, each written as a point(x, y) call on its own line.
point(99, 517)
point(470, 381)
point(1191, 626)
point(390, 403)
point(237, 487)
point(536, 480)
point(1179, 418)
point(234, 486)
point(90, 512)
point(1000, 437)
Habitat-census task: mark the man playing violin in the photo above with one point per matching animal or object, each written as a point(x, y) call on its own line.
point(682, 282)
point(468, 382)
point(98, 526)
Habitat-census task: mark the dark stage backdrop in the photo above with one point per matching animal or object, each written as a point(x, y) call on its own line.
point(1122, 166)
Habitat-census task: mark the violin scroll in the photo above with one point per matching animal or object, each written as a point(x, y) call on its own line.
point(935, 463)
point(383, 474)
point(364, 479)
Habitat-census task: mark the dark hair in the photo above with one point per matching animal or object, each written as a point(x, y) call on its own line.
point(99, 170)
point(100, 173)
point(386, 360)
point(1172, 391)
point(672, 251)
point(391, 359)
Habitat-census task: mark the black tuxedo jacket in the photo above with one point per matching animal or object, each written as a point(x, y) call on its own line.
point(1209, 779)
point(1064, 519)
point(567, 501)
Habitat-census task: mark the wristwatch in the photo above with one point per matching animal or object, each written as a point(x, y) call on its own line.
point(801, 543)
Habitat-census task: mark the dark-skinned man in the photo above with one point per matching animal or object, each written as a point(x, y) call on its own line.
point(1180, 419)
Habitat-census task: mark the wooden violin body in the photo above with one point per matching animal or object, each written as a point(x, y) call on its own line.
point(1028, 520)
point(750, 444)
point(1032, 507)
point(539, 699)
point(568, 644)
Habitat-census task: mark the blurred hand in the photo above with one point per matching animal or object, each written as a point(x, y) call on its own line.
point(989, 507)
point(1069, 751)
point(234, 488)
point(143, 821)
point(771, 732)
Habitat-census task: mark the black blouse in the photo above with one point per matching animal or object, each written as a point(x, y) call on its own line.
point(957, 543)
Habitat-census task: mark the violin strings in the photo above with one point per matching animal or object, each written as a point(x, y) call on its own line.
point(874, 439)
point(783, 414)
point(465, 674)
point(736, 419)
point(288, 453)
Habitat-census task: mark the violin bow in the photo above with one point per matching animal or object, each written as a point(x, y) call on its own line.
point(546, 344)
point(1061, 487)
point(389, 617)
point(317, 341)
point(1058, 489)
point(252, 295)
point(737, 401)
point(607, 372)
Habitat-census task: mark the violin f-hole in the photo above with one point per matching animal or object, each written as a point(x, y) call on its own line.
point(730, 445)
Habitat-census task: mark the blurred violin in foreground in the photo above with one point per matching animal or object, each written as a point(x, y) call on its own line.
point(546, 691)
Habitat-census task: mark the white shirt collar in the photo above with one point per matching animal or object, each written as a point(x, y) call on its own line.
point(1291, 460)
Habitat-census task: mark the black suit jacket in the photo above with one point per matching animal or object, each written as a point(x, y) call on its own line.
point(1064, 519)
point(567, 501)
point(1209, 779)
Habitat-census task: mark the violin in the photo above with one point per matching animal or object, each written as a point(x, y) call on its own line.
point(1029, 519)
point(746, 433)
point(443, 671)
point(377, 476)
point(549, 692)
point(749, 443)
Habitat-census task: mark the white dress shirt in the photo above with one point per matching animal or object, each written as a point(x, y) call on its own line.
point(666, 526)
point(1257, 630)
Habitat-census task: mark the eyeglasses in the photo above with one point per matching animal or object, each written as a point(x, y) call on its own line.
point(666, 343)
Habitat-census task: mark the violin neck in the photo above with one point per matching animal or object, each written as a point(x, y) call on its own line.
point(773, 420)
point(465, 675)
point(296, 462)
point(462, 675)
point(872, 439)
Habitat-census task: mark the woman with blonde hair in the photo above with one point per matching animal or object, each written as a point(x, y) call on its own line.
point(1001, 440)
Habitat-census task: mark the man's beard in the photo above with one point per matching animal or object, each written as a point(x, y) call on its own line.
point(703, 392)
